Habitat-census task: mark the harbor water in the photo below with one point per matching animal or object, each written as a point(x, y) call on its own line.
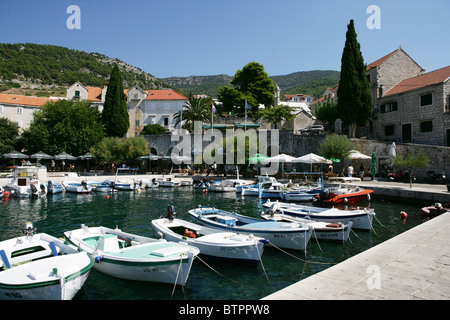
point(209, 280)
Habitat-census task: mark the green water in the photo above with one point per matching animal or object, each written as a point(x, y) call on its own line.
point(133, 212)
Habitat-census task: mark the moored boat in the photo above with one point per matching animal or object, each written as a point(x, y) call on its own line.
point(300, 194)
point(41, 267)
point(361, 218)
point(54, 187)
point(284, 235)
point(25, 182)
point(211, 242)
point(322, 230)
point(132, 257)
point(343, 194)
point(77, 186)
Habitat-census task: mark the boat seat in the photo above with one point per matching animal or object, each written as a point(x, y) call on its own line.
point(42, 249)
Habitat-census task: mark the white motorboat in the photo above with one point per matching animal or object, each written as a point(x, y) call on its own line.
point(307, 194)
point(99, 186)
point(77, 186)
point(284, 235)
point(211, 242)
point(25, 182)
point(54, 187)
point(361, 218)
point(132, 257)
point(267, 187)
point(168, 182)
point(228, 185)
point(322, 230)
point(41, 267)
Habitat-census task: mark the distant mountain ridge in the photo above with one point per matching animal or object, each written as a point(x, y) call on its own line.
point(306, 82)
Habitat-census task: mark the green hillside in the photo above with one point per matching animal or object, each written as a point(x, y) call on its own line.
point(58, 66)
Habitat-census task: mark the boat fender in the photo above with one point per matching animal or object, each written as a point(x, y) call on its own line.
point(368, 197)
point(265, 241)
point(189, 233)
point(403, 215)
point(97, 259)
point(345, 200)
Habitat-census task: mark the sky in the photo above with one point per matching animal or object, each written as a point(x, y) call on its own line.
point(209, 37)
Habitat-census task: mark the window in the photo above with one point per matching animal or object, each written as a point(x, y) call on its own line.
point(426, 99)
point(389, 130)
point(19, 110)
point(426, 126)
point(166, 121)
point(77, 94)
point(137, 123)
point(389, 107)
point(1, 109)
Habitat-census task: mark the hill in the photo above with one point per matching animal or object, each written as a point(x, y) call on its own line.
point(306, 82)
point(32, 65)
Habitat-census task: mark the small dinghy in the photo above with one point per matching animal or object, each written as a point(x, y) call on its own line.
point(211, 242)
point(284, 235)
point(41, 267)
point(132, 257)
point(54, 187)
point(77, 187)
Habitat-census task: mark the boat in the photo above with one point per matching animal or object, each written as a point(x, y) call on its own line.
point(147, 183)
point(168, 182)
point(361, 218)
point(25, 182)
point(54, 187)
point(38, 266)
point(435, 209)
point(202, 184)
point(99, 186)
point(1, 192)
point(77, 186)
point(229, 185)
point(124, 185)
point(322, 230)
point(343, 194)
point(132, 257)
point(284, 235)
point(242, 248)
point(267, 187)
point(186, 182)
point(300, 194)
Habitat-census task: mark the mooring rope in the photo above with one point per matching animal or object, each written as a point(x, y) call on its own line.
point(176, 279)
point(295, 257)
point(262, 265)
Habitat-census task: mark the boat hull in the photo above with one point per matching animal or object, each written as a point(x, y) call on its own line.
point(219, 245)
point(286, 236)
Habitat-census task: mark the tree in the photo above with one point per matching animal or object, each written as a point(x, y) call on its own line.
point(413, 160)
point(196, 109)
point(153, 129)
point(328, 113)
point(275, 114)
point(251, 83)
point(63, 125)
point(115, 115)
point(335, 146)
point(8, 133)
point(355, 102)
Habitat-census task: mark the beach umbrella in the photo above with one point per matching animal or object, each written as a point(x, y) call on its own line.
point(41, 155)
point(65, 156)
point(374, 164)
point(87, 156)
point(257, 158)
point(280, 158)
point(392, 151)
point(355, 155)
point(312, 158)
point(15, 155)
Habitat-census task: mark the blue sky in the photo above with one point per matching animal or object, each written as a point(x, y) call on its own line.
point(208, 37)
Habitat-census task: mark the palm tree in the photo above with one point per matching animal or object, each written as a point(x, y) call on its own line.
point(196, 109)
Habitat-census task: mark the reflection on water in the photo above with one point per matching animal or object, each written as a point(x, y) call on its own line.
point(133, 212)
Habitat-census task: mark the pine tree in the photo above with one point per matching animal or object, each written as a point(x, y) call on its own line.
point(355, 102)
point(115, 115)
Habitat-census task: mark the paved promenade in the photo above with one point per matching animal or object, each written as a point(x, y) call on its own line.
point(412, 265)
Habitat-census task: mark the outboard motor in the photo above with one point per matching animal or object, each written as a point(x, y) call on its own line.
point(172, 213)
point(34, 190)
point(84, 184)
point(50, 185)
point(28, 229)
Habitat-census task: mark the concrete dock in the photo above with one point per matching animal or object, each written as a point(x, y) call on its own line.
point(414, 265)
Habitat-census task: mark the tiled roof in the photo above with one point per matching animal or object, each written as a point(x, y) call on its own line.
point(379, 61)
point(164, 95)
point(424, 80)
point(23, 100)
point(94, 93)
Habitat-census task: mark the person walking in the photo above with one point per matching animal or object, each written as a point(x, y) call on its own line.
point(350, 170)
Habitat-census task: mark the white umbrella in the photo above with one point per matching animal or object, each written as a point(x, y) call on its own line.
point(312, 158)
point(392, 152)
point(280, 158)
point(354, 155)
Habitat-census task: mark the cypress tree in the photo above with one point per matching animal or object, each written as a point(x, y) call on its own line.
point(354, 99)
point(115, 118)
